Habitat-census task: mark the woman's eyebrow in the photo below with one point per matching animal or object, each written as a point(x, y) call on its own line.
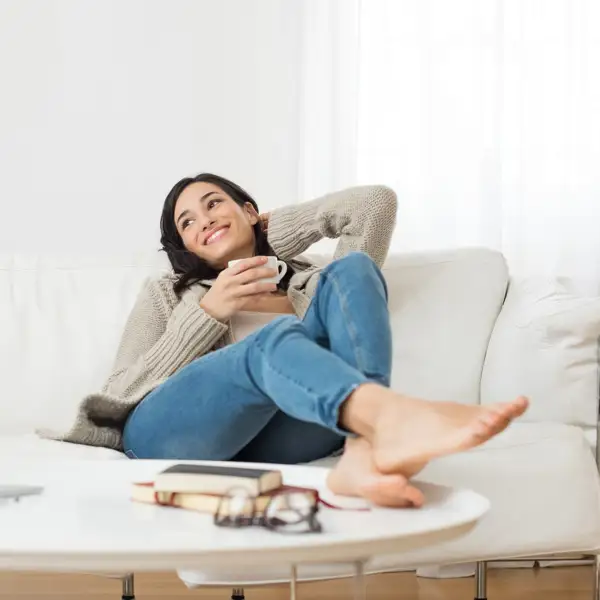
point(187, 211)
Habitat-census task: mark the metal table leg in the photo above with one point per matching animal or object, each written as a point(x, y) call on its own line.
point(596, 592)
point(596, 595)
point(294, 583)
point(128, 592)
point(481, 581)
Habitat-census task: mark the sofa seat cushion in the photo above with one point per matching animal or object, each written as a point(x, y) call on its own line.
point(542, 481)
point(30, 447)
point(543, 486)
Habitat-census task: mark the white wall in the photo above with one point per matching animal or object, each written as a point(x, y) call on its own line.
point(104, 104)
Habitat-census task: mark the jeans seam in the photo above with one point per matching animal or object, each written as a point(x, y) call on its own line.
point(314, 305)
point(355, 346)
point(295, 382)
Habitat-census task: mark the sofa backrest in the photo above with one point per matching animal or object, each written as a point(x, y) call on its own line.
point(443, 307)
point(60, 321)
point(61, 318)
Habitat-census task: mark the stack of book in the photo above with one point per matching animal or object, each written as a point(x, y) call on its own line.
point(202, 487)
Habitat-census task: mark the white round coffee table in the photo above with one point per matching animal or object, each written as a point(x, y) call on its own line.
point(85, 521)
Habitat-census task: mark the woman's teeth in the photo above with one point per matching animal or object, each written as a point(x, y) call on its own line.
point(216, 236)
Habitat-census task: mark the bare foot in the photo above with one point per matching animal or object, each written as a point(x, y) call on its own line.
point(406, 433)
point(356, 475)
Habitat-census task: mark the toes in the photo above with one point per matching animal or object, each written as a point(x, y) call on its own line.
point(392, 491)
point(498, 416)
point(504, 410)
point(489, 424)
point(511, 410)
point(496, 422)
point(520, 405)
point(415, 496)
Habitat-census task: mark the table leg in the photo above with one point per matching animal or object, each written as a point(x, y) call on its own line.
point(481, 581)
point(360, 581)
point(128, 592)
point(294, 583)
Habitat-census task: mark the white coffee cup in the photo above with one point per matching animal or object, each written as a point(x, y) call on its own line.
point(272, 263)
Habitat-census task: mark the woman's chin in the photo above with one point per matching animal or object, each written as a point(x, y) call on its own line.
point(214, 260)
point(219, 256)
point(218, 260)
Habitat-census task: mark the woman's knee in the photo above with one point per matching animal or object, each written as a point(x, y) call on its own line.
point(356, 265)
point(355, 262)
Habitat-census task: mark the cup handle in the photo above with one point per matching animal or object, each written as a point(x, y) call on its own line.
point(282, 268)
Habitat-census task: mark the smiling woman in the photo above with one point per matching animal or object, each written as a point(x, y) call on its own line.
point(295, 387)
point(208, 221)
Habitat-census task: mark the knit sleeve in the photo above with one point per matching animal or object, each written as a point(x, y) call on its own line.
point(155, 344)
point(362, 218)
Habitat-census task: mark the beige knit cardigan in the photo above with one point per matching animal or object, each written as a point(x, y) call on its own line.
point(165, 333)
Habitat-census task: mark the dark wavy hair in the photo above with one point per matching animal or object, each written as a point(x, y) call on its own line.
point(189, 267)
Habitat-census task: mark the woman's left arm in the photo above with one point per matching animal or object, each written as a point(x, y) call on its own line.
point(362, 218)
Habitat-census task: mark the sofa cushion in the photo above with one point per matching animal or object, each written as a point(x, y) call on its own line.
point(545, 345)
point(542, 482)
point(60, 322)
point(443, 308)
point(30, 447)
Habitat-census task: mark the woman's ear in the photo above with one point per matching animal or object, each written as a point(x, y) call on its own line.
point(252, 214)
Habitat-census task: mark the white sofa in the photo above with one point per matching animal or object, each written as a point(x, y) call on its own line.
point(461, 332)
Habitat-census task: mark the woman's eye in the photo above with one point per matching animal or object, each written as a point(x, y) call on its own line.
point(212, 203)
point(185, 224)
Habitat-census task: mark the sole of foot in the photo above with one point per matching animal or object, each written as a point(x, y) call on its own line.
point(410, 432)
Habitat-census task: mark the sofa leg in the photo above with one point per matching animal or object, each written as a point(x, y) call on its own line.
point(481, 581)
point(237, 594)
point(128, 593)
point(597, 557)
point(596, 595)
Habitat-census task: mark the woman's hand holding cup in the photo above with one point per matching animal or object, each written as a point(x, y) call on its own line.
point(240, 284)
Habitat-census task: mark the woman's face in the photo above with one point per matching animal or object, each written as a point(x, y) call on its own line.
point(213, 226)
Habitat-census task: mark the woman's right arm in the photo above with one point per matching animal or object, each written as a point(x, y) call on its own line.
point(155, 344)
point(361, 218)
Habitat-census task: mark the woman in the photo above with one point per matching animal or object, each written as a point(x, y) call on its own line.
point(216, 364)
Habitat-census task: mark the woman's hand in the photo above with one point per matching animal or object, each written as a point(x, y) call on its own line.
point(237, 286)
point(264, 220)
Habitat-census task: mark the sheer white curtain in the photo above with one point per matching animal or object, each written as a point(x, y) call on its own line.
point(329, 60)
point(484, 115)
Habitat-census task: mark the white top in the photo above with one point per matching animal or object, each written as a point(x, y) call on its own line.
point(244, 323)
point(85, 521)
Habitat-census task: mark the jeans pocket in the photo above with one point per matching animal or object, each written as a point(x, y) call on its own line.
point(130, 454)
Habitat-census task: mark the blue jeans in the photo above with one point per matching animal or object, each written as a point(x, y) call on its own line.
point(275, 396)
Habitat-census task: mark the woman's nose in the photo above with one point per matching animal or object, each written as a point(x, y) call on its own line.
point(207, 223)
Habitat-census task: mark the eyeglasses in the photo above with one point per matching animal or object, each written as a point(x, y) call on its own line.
point(286, 511)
